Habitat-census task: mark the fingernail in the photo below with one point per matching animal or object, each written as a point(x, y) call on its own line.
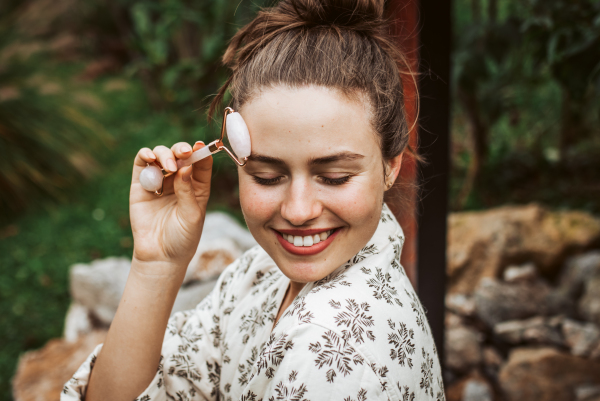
point(199, 142)
point(171, 165)
point(150, 155)
point(186, 149)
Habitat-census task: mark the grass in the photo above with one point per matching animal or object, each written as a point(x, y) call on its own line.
point(37, 249)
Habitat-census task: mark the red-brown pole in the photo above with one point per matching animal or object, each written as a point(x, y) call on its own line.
point(404, 17)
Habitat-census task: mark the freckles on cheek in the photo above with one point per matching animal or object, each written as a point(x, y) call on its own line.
point(255, 203)
point(355, 204)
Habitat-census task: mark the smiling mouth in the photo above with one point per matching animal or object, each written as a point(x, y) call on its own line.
point(304, 245)
point(306, 240)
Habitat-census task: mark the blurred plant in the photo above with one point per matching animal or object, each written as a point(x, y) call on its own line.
point(565, 35)
point(485, 63)
point(519, 47)
point(46, 143)
point(174, 46)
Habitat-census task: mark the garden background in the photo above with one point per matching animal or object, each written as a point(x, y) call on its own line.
point(85, 84)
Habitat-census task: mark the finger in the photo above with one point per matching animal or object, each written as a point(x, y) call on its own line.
point(144, 157)
point(188, 208)
point(202, 170)
point(182, 150)
point(166, 158)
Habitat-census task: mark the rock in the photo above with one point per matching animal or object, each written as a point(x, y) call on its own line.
point(41, 374)
point(537, 330)
point(468, 387)
point(526, 272)
point(492, 360)
point(595, 354)
point(582, 338)
point(589, 304)
point(578, 271)
point(77, 322)
point(545, 374)
point(497, 301)
point(481, 244)
point(476, 390)
point(460, 304)
point(223, 240)
point(189, 296)
point(462, 348)
point(452, 320)
point(587, 393)
point(97, 287)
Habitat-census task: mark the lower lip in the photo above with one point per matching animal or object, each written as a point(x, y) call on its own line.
point(306, 250)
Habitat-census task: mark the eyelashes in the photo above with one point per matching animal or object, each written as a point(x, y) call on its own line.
point(325, 180)
point(336, 181)
point(266, 181)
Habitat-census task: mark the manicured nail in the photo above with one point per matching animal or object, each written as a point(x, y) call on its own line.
point(186, 149)
point(171, 165)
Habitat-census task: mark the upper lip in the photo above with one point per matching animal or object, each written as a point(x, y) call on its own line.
point(304, 233)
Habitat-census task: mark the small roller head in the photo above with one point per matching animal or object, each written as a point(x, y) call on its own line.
point(151, 178)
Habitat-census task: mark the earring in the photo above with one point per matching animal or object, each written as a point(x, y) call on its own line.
point(388, 184)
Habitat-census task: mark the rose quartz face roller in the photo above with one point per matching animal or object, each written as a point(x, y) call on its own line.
point(152, 177)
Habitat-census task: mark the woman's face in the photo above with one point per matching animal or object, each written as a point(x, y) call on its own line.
point(312, 190)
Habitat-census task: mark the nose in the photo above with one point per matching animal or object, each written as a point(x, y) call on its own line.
point(301, 204)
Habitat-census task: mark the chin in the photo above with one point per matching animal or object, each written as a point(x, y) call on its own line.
point(304, 272)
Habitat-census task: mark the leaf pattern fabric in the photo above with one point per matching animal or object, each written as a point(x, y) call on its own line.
point(360, 333)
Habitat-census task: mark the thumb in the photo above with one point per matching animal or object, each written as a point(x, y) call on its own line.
point(188, 209)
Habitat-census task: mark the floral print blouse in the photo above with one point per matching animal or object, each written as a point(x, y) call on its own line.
point(358, 334)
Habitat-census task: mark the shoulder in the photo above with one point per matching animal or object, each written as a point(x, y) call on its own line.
point(368, 314)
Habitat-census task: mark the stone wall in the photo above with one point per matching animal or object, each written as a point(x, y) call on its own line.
point(523, 306)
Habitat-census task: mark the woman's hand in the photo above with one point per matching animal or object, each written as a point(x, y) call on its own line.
point(167, 229)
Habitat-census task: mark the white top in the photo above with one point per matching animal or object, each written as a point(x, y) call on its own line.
point(358, 334)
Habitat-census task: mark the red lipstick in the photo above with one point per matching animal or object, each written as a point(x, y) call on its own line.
point(305, 250)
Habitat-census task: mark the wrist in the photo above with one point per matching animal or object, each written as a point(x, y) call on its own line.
point(158, 273)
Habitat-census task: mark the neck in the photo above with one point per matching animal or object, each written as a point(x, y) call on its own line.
point(294, 290)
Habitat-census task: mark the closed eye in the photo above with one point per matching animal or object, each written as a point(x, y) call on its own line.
point(336, 181)
point(267, 181)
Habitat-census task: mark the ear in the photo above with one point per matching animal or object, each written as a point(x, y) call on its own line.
point(392, 168)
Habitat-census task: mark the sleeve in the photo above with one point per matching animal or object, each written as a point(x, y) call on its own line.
point(313, 362)
point(189, 366)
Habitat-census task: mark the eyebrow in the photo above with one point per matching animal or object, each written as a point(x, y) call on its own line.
point(342, 156)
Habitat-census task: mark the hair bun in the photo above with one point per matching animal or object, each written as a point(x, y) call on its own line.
point(352, 14)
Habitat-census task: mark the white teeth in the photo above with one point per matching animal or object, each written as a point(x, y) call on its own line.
point(307, 241)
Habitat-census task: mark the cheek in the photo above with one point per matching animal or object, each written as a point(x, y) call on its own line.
point(257, 203)
point(358, 203)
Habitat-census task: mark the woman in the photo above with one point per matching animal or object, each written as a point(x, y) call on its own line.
point(321, 309)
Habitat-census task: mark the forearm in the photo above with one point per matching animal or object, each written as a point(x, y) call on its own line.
point(130, 355)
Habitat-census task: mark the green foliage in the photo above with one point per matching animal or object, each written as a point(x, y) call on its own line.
point(176, 46)
point(526, 83)
point(45, 140)
point(565, 35)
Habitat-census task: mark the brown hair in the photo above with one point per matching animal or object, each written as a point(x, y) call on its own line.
point(339, 44)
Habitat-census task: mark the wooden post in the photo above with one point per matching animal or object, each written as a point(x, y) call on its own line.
point(423, 29)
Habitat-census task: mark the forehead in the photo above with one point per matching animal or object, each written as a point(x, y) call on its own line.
point(310, 121)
